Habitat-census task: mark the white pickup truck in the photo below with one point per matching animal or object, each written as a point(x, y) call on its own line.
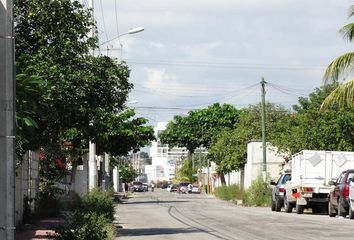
point(311, 172)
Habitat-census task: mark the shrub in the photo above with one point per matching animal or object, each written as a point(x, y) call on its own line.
point(259, 194)
point(232, 192)
point(88, 226)
point(91, 219)
point(99, 202)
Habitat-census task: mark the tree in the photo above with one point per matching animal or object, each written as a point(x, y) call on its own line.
point(343, 65)
point(229, 150)
point(199, 127)
point(185, 173)
point(309, 128)
point(74, 97)
point(127, 172)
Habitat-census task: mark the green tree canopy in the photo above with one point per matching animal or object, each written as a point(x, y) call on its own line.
point(199, 127)
point(79, 97)
point(309, 128)
point(229, 150)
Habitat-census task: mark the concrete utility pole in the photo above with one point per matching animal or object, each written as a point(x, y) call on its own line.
point(7, 126)
point(264, 144)
point(92, 165)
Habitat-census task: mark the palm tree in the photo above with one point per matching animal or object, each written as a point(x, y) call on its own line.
point(343, 65)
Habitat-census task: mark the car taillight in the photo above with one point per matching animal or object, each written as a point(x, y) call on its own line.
point(281, 189)
point(307, 189)
point(345, 191)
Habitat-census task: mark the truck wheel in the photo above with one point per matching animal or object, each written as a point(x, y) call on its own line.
point(273, 206)
point(299, 209)
point(331, 211)
point(287, 206)
point(277, 205)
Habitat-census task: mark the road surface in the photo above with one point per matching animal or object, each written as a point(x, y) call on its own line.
point(163, 215)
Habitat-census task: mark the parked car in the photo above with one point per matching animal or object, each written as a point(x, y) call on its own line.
point(164, 185)
point(146, 187)
point(278, 193)
point(183, 187)
point(339, 201)
point(195, 189)
point(138, 187)
point(172, 188)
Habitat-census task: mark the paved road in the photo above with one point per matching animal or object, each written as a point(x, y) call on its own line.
point(162, 215)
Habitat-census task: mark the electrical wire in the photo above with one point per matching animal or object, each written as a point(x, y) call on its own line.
point(116, 14)
point(227, 65)
point(103, 20)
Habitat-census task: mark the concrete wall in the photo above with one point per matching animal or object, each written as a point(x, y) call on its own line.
point(26, 184)
point(254, 165)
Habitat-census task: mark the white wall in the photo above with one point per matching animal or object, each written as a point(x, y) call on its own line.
point(254, 165)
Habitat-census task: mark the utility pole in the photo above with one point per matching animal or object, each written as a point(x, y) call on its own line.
point(264, 143)
point(7, 119)
point(92, 161)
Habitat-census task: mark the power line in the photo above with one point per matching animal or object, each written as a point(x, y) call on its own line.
point(103, 20)
point(233, 65)
point(116, 14)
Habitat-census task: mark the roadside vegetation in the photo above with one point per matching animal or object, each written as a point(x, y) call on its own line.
point(66, 97)
point(259, 193)
point(229, 193)
point(91, 218)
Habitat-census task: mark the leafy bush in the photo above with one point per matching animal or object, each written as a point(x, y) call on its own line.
point(99, 202)
point(232, 192)
point(88, 226)
point(259, 194)
point(92, 219)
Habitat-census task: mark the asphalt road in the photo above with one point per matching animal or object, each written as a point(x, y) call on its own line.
point(162, 215)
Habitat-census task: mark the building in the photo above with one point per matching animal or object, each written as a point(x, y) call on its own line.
point(165, 160)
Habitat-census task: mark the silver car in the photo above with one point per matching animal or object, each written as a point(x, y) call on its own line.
point(278, 191)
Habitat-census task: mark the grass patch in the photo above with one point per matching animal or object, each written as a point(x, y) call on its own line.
point(228, 193)
point(259, 194)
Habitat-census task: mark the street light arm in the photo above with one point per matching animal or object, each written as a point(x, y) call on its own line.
point(131, 31)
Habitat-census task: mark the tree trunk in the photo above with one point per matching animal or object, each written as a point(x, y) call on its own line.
point(222, 179)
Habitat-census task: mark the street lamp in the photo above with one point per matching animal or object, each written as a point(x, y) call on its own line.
point(131, 31)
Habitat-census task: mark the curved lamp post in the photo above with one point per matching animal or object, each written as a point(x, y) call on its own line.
point(131, 31)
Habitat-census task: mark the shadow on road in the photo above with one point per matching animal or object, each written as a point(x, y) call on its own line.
point(153, 202)
point(154, 231)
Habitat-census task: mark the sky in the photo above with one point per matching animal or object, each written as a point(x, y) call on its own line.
point(197, 52)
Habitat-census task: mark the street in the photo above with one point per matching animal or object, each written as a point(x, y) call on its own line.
point(164, 215)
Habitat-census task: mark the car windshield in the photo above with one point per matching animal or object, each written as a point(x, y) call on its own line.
point(137, 183)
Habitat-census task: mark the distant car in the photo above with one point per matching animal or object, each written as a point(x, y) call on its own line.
point(278, 192)
point(183, 187)
point(138, 187)
point(146, 187)
point(339, 201)
point(164, 185)
point(172, 188)
point(195, 189)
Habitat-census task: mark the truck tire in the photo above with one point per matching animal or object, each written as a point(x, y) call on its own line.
point(287, 206)
point(299, 209)
point(277, 205)
point(273, 206)
point(331, 210)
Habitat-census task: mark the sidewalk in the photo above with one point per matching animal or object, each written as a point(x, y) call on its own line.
point(38, 230)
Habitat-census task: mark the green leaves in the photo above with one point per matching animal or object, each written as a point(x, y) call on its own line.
point(199, 127)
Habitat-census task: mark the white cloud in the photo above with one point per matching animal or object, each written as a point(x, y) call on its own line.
point(157, 45)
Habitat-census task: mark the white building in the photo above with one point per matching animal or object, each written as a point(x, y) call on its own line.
point(164, 159)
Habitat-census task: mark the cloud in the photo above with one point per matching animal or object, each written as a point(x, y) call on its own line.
point(157, 45)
